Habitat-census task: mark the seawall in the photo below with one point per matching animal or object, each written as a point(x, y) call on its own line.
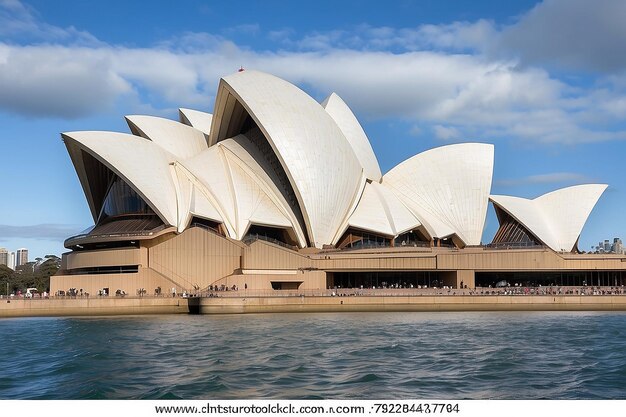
point(111, 306)
point(226, 305)
point(104, 306)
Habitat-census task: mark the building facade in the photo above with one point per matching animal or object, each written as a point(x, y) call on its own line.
point(12, 260)
point(4, 257)
point(275, 191)
point(608, 247)
point(21, 257)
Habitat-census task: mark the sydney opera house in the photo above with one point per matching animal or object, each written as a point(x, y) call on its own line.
point(275, 191)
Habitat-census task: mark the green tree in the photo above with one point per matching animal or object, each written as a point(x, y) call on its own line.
point(6, 275)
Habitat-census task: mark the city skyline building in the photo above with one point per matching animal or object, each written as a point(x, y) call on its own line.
point(7, 258)
point(12, 260)
point(4, 257)
point(21, 257)
point(616, 247)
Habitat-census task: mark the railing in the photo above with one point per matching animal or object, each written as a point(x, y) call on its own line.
point(367, 292)
point(413, 243)
point(513, 245)
point(126, 234)
point(415, 292)
point(372, 245)
point(206, 227)
point(249, 239)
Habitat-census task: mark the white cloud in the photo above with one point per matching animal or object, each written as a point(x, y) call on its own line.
point(56, 81)
point(471, 93)
point(479, 95)
point(552, 178)
point(455, 36)
point(446, 132)
point(579, 34)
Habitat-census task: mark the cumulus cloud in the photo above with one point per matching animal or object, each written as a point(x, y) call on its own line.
point(464, 90)
point(57, 81)
point(440, 77)
point(570, 33)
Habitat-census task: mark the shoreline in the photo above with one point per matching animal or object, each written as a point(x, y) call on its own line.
point(101, 306)
point(416, 303)
point(116, 306)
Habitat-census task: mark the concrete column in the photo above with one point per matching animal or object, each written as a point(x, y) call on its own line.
point(466, 276)
point(455, 278)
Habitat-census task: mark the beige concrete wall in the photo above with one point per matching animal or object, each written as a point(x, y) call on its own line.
point(114, 257)
point(130, 283)
point(526, 259)
point(196, 257)
point(199, 258)
point(93, 306)
point(467, 277)
point(407, 303)
point(265, 255)
point(309, 280)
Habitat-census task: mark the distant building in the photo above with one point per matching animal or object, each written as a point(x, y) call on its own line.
point(12, 260)
point(616, 247)
point(22, 257)
point(4, 257)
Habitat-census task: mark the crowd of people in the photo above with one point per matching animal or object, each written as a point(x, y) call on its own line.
point(337, 291)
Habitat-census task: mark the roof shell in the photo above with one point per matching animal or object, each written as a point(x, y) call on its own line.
point(354, 133)
point(197, 119)
point(556, 218)
point(381, 211)
point(250, 156)
point(321, 166)
point(192, 199)
point(447, 188)
point(234, 183)
point(150, 178)
point(178, 139)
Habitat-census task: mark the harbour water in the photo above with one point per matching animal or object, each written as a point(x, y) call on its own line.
point(516, 355)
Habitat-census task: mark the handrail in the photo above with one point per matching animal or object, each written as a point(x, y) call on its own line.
point(513, 245)
point(415, 292)
point(206, 227)
point(251, 238)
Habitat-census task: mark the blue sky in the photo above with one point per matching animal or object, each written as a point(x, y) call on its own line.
point(543, 81)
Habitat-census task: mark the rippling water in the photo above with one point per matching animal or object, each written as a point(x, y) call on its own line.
point(308, 356)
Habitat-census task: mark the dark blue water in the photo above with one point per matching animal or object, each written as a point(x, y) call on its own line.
point(307, 356)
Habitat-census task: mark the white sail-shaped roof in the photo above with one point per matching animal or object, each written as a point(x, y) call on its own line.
point(150, 177)
point(254, 162)
point(321, 166)
point(230, 182)
point(178, 139)
point(380, 211)
point(354, 133)
point(191, 199)
point(556, 218)
point(254, 205)
point(447, 188)
point(209, 169)
point(197, 119)
point(280, 159)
